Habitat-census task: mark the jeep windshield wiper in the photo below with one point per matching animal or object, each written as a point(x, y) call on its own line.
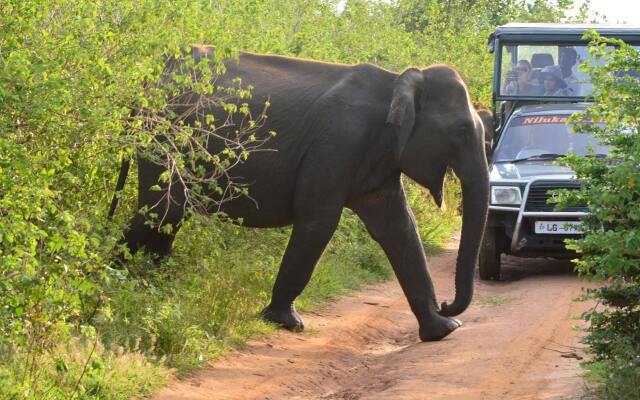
point(544, 156)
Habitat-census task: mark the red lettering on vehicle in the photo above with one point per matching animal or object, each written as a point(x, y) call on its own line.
point(556, 119)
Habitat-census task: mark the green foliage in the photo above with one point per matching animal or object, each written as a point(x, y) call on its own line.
point(69, 74)
point(610, 248)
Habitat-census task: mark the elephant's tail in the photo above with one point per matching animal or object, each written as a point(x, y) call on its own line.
point(122, 178)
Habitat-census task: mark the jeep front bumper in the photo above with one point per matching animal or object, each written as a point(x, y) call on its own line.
point(518, 222)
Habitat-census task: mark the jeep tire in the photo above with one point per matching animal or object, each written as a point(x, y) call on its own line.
point(489, 259)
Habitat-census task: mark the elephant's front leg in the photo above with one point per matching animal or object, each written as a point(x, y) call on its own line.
point(306, 244)
point(391, 223)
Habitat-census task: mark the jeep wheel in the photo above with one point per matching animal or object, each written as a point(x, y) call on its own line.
point(489, 259)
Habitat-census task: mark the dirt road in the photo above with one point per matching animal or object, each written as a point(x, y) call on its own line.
point(518, 341)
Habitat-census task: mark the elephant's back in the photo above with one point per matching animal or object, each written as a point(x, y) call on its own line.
point(306, 99)
point(290, 87)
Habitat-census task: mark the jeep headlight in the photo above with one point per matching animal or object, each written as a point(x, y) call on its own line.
point(506, 195)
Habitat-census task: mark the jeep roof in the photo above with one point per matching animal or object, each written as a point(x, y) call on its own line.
point(536, 32)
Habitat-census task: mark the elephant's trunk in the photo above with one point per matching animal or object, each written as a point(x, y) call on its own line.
point(475, 202)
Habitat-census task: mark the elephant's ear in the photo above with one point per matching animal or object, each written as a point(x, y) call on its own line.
point(402, 112)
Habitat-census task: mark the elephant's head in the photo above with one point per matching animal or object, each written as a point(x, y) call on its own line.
point(438, 127)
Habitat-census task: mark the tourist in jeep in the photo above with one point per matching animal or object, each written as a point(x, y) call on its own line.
point(567, 59)
point(553, 83)
point(519, 80)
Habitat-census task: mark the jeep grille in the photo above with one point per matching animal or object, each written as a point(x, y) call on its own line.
point(539, 193)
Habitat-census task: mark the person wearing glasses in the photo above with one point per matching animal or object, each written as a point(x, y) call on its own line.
point(519, 81)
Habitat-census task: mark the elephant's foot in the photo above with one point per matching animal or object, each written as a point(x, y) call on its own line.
point(287, 317)
point(438, 328)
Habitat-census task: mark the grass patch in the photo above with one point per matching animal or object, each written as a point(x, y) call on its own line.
point(435, 225)
point(613, 379)
point(494, 300)
point(80, 369)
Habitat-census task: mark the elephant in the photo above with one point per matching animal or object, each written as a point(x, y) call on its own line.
point(487, 121)
point(345, 134)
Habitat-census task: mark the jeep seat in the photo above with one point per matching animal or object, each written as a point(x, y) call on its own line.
point(541, 60)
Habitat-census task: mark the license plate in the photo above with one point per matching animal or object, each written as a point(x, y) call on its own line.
point(559, 227)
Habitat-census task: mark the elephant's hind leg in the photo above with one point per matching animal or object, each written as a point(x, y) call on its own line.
point(168, 208)
point(153, 237)
point(306, 244)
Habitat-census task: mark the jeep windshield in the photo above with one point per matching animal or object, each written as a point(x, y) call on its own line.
point(540, 62)
point(543, 137)
point(546, 71)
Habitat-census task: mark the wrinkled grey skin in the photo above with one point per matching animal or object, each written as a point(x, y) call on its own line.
point(345, 135)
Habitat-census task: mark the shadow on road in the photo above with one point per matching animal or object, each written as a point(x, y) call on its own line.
point(515, 269)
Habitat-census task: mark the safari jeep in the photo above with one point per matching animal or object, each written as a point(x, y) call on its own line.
point(537, 87)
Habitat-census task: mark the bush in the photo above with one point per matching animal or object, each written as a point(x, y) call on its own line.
point(610, 249)
point(70, 74)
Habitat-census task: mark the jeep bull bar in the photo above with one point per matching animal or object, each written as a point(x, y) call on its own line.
point(516, 242)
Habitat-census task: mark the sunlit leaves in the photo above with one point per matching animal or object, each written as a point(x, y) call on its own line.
point(70, 75)
point(611, 248)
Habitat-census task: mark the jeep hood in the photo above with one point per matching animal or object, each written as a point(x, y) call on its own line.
point(528, 169)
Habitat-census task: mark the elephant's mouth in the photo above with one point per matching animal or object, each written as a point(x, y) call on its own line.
point(435, 184)
point(438, 196)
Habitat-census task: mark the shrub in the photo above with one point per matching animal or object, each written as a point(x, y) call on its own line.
point(610, 249)
point(70, 75)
